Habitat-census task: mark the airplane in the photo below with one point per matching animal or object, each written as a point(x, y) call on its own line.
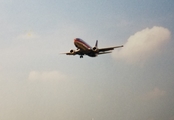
point(84, 49)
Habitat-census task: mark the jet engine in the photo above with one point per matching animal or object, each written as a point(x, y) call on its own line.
point(95, 49)
point(72, 52)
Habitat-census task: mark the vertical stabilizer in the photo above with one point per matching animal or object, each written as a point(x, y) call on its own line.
point(96, 44)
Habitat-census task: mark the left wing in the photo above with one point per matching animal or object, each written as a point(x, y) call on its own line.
point(73, 52)
point(108, 48)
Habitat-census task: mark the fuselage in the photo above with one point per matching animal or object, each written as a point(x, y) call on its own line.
point(84, 47)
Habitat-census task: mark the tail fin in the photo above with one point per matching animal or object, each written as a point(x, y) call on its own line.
point(96, 44)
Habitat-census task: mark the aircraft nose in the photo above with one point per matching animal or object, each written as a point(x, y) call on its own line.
point(75, 40)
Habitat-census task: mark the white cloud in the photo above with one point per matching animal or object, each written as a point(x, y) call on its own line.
point(143, 44)
point(45, 76)
point(154, 94)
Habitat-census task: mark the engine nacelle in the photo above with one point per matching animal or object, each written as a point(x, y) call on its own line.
point(72, 52)
point(95, 49)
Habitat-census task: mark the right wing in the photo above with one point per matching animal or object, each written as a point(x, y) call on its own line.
point(104, 52)
point(108, 48)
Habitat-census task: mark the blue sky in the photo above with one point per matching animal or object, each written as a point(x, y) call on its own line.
point(134, 82)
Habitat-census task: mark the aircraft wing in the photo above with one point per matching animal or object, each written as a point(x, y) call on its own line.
point(72, 52)
point(108, 48)
point(69, 53)
point(104, 52)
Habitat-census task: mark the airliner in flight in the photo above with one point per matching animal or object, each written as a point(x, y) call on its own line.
point(84, 49)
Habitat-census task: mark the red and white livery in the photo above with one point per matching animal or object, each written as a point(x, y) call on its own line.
point(84, 49)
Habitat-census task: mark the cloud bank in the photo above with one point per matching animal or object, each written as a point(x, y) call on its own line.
point(143, 45)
